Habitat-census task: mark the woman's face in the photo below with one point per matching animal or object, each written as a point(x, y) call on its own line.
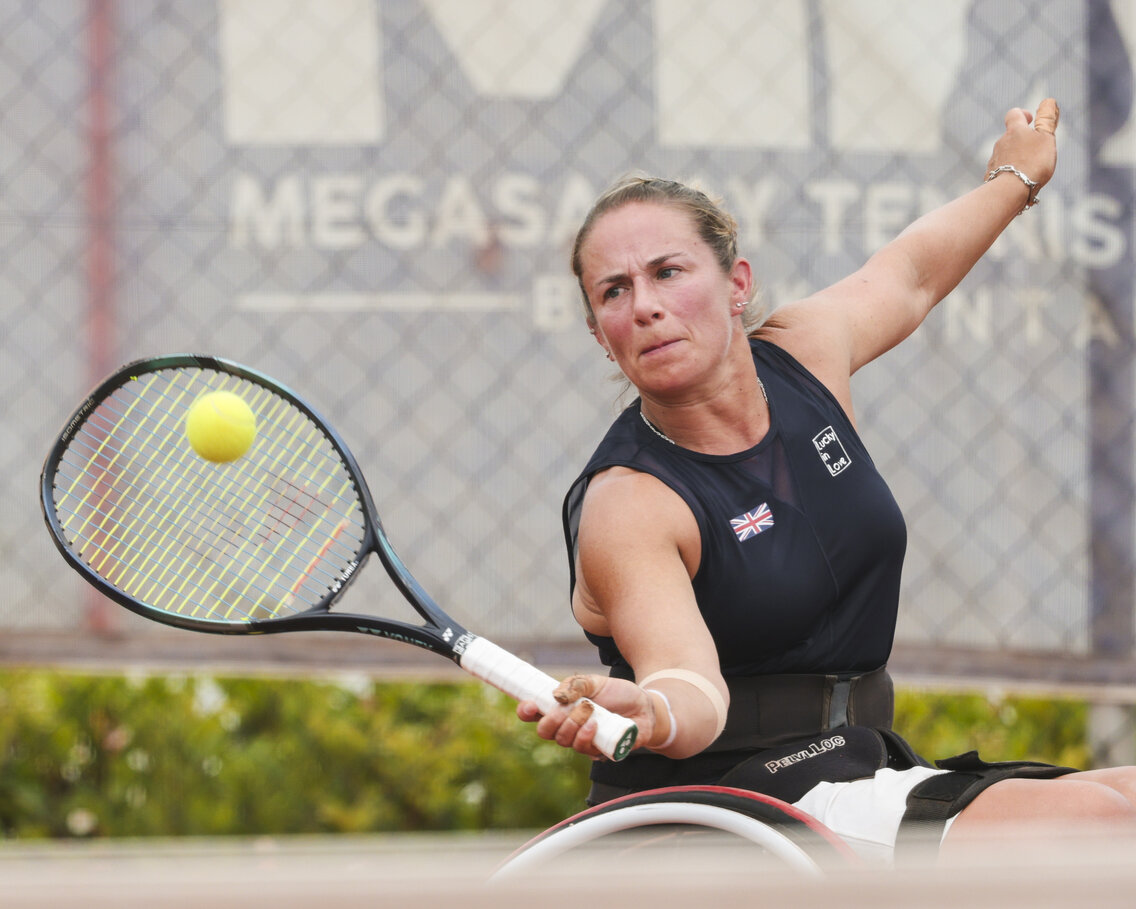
point(663, 307)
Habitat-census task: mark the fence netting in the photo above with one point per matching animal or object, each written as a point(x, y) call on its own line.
point(372, 201)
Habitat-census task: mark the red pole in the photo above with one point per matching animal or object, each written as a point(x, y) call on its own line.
point(100, 257)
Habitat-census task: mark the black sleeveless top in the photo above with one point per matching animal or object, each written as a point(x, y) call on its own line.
point(802, 547)
point(802, 541)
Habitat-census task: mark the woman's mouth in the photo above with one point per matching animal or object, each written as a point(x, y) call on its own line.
point(655, 348)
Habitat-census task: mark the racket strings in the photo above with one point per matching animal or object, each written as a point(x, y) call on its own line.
point(269, 534)
point(188, 521)
point(177, 529)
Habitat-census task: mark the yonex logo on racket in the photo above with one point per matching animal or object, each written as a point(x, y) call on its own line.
point(463, 642)
point(338, 583)
point(389, 635)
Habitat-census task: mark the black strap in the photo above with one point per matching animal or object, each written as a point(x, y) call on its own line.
point(937, 799)
point(838, 703)
point(765, 712)
point(773, 710)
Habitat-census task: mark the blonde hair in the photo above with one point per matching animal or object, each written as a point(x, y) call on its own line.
point(714, 224)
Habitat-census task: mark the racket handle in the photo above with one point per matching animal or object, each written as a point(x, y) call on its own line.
point(615, 734)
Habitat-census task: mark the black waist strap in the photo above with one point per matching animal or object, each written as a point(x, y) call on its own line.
point(767, 711)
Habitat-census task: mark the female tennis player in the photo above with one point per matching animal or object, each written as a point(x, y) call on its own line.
point(735, 554)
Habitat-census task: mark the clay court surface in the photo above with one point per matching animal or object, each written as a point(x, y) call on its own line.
point(429, 871)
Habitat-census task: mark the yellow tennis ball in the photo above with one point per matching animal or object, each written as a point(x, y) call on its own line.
point(220, 426)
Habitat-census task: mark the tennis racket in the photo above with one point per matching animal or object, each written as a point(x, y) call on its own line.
point(266, 543)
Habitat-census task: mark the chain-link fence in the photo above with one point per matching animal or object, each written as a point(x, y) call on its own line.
point(372, 200)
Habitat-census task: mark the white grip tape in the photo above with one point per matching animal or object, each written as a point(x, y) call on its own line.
point(615, 734)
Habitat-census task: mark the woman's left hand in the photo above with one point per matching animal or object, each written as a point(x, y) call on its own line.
point(1029, 143)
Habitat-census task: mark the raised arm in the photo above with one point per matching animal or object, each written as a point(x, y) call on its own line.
point(850, 323)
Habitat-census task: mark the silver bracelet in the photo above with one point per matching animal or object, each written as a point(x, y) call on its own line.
point(1031, 185)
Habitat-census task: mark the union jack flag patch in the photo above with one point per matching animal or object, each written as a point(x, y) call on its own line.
point(752, 523)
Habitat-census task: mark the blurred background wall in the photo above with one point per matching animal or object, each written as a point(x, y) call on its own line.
point(373, 200)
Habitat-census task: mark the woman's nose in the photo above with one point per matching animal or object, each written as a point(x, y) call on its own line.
point(647, 305)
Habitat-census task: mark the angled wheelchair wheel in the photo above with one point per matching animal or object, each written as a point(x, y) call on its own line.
point(659, 822)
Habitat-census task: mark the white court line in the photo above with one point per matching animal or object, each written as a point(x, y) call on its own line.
point(381, 302)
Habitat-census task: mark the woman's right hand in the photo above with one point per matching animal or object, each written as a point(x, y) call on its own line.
point(571, 725)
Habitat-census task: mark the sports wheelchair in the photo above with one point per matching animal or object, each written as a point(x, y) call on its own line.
point(655, 822)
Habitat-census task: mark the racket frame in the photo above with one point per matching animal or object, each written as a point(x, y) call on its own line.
point(439, 633)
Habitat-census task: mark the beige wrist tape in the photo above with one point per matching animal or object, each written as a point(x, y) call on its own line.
point(700, 682)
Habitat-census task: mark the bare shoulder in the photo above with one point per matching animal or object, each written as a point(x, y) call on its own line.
point(815, 333)
point(637, 536)
point(809, 329)
point(620, 498)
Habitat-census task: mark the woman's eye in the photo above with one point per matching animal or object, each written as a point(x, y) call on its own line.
point(612, 292)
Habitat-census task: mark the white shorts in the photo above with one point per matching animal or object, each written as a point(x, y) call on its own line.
point(866, 813)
